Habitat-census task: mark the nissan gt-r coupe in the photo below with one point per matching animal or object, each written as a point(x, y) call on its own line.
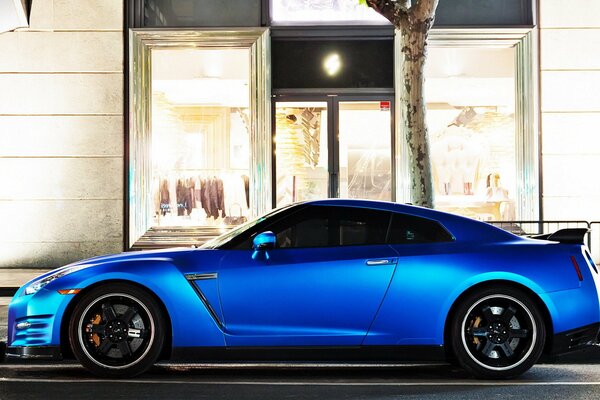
point(323, 280)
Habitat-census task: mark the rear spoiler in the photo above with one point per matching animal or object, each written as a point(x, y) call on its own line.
point(565, 236)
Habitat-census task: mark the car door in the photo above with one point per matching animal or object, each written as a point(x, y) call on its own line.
point(422, 246)
point(322, 284)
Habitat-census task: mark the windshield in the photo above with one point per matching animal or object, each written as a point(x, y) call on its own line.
point(226, 237)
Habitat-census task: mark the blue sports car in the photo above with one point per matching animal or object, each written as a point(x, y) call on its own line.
point(323, 280)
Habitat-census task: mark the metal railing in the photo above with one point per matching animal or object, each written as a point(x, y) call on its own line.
point(594, 238)
point(543, 227)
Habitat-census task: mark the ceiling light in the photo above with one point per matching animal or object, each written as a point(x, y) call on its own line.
point(332, 64)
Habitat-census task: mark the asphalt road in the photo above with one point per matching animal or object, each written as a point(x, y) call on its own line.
point(60, 381)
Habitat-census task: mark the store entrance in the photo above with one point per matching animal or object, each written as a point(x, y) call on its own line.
point(332, 146)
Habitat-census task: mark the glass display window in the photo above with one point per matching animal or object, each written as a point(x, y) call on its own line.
point(481, 93)
point(200, 136)
point(200, 133)
point(471, 118)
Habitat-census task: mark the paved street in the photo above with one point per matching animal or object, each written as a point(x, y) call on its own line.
point(59, 381)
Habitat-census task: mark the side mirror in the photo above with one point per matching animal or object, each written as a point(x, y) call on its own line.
point(264, 241)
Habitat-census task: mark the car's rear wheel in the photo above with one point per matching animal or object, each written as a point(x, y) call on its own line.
point(497, 333)
point(117, 330)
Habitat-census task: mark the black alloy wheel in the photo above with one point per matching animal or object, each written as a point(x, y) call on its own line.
point(498, 333)
point(117, 330)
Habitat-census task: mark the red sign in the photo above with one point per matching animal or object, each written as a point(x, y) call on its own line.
point(385, 105)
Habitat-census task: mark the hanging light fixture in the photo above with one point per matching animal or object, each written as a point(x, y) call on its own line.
point(332, 64)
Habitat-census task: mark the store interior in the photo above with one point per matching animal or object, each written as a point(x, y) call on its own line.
point(200, 136)
point(470, 94)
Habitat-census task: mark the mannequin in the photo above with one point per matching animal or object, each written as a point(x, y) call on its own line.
point(495, 192)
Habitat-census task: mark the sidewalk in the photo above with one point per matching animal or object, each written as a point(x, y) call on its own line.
point(12, 279)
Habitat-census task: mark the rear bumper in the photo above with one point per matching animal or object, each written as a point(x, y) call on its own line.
point(34, 352)
point(575, 339)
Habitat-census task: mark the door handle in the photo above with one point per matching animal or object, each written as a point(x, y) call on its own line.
point(385, 261)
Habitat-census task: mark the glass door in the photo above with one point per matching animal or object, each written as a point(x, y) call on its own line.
point(301, 151)
point(365, 150)
point(333, 146)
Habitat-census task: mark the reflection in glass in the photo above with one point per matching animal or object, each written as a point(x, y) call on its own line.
point(301, 151)
point(365, 150)
point(471, 116)
point(200, 137)
point(323, 12)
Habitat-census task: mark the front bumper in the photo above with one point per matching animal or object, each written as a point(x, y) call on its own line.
point(34, 352)
point(35, 320)
point(575, 339)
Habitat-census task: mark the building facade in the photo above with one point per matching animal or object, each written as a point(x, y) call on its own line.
point(153, 123)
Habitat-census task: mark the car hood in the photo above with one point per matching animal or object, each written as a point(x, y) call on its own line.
point(174, 254)
point(132, 255)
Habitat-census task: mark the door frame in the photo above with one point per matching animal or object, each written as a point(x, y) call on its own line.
point(333, 98)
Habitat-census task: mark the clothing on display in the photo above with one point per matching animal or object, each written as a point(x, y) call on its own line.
point(207, 197)
point(165, 198)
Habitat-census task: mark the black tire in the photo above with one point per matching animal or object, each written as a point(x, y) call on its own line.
point(117, 330)
point(497, 333)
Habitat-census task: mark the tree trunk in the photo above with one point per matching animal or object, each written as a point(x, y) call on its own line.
point(412, 105)
point(414, 19)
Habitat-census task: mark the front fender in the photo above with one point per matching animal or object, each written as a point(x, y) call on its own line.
point(190, 319)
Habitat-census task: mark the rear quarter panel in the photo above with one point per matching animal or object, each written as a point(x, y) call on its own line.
point(430, 278)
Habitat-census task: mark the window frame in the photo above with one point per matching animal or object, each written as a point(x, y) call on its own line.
point(527, 134)
point(243, 242)
point(138, 171)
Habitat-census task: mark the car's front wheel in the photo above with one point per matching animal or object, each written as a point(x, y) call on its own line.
point(497, 333)
point(117, 330)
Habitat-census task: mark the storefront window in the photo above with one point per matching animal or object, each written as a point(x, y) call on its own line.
point(320, 12)
point(199, 157)
point(200, 136)
point(470, 96)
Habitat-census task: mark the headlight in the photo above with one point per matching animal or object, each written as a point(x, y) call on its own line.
point(34, 287)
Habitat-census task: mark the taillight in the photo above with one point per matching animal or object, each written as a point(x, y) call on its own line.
point(577, 268)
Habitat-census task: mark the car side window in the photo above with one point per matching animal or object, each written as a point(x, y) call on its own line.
point(408, 229)
point(325, 226)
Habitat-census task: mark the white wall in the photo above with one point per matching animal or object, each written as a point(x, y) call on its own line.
point(570, 101)
point(61, 134)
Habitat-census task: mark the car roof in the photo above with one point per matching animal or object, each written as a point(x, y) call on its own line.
point(462, 228)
